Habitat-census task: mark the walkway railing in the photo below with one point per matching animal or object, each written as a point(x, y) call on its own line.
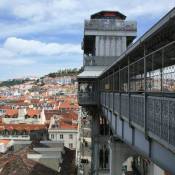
point(158, 118)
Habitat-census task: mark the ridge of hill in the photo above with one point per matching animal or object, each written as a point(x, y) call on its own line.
point(64, 72)
point(59, 73)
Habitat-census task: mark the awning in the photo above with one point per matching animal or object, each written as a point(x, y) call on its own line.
point(92, 72)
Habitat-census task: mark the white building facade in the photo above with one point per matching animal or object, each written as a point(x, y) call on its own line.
point(68, 136)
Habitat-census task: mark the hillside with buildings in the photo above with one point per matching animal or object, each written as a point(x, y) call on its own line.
point(34, 111)
point(63, 76)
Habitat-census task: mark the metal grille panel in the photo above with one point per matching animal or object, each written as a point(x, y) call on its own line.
point(124, 105)
point(137, 109)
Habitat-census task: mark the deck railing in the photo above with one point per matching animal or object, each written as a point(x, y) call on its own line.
point(157, 119)
point(110, 24)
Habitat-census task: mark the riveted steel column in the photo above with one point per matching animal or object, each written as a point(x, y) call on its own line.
point(105, 90)
point(119, 95)
point(129, 116)
point(113, 89)
point(145, 95)
point(162, 64)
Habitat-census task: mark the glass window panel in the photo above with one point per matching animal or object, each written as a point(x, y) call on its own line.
point(168, 72)
point(116, 81)
point(137, 76)
point(154, 68)
point(124, 80)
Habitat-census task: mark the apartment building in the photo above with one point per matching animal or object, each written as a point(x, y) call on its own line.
point(64, 127)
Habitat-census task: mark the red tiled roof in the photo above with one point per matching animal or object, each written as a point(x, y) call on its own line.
point(4, 141)
point(19, 164)
point(67, 104)
point(71, 115)
point(5, 107)
point(21, 127)
point(35, 101)
point(65, 122)
point(65, 125)
point(11, 112)
point(32, 112)
point(2, 98)
point(50, 113)
point(22, 98)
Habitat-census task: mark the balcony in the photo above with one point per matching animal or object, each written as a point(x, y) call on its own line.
point(85, 98)
point(87, 94)
point(98, 60)
point(110, 25)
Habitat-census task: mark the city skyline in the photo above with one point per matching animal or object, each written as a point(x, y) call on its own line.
point(39, 37)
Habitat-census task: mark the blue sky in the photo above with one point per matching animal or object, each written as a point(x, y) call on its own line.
point(42, 36)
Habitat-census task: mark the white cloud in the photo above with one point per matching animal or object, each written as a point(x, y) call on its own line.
point(73, 11)
point(6, 53)
point(32, 47)
point(44, 15)
point(16, 62)
point(17, 51)
point(8, 57)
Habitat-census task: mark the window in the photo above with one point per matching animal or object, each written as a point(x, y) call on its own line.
point(52, 136)
point(124, 79)
point(86, 87)
point(168, 71)
point(116, 81)
point(70, 136)
point(84, 161)
point(137, 76)
point(61, 136)
point(70, 145)
point(154, 72)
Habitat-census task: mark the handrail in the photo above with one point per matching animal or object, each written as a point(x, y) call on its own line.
point(160, 113)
